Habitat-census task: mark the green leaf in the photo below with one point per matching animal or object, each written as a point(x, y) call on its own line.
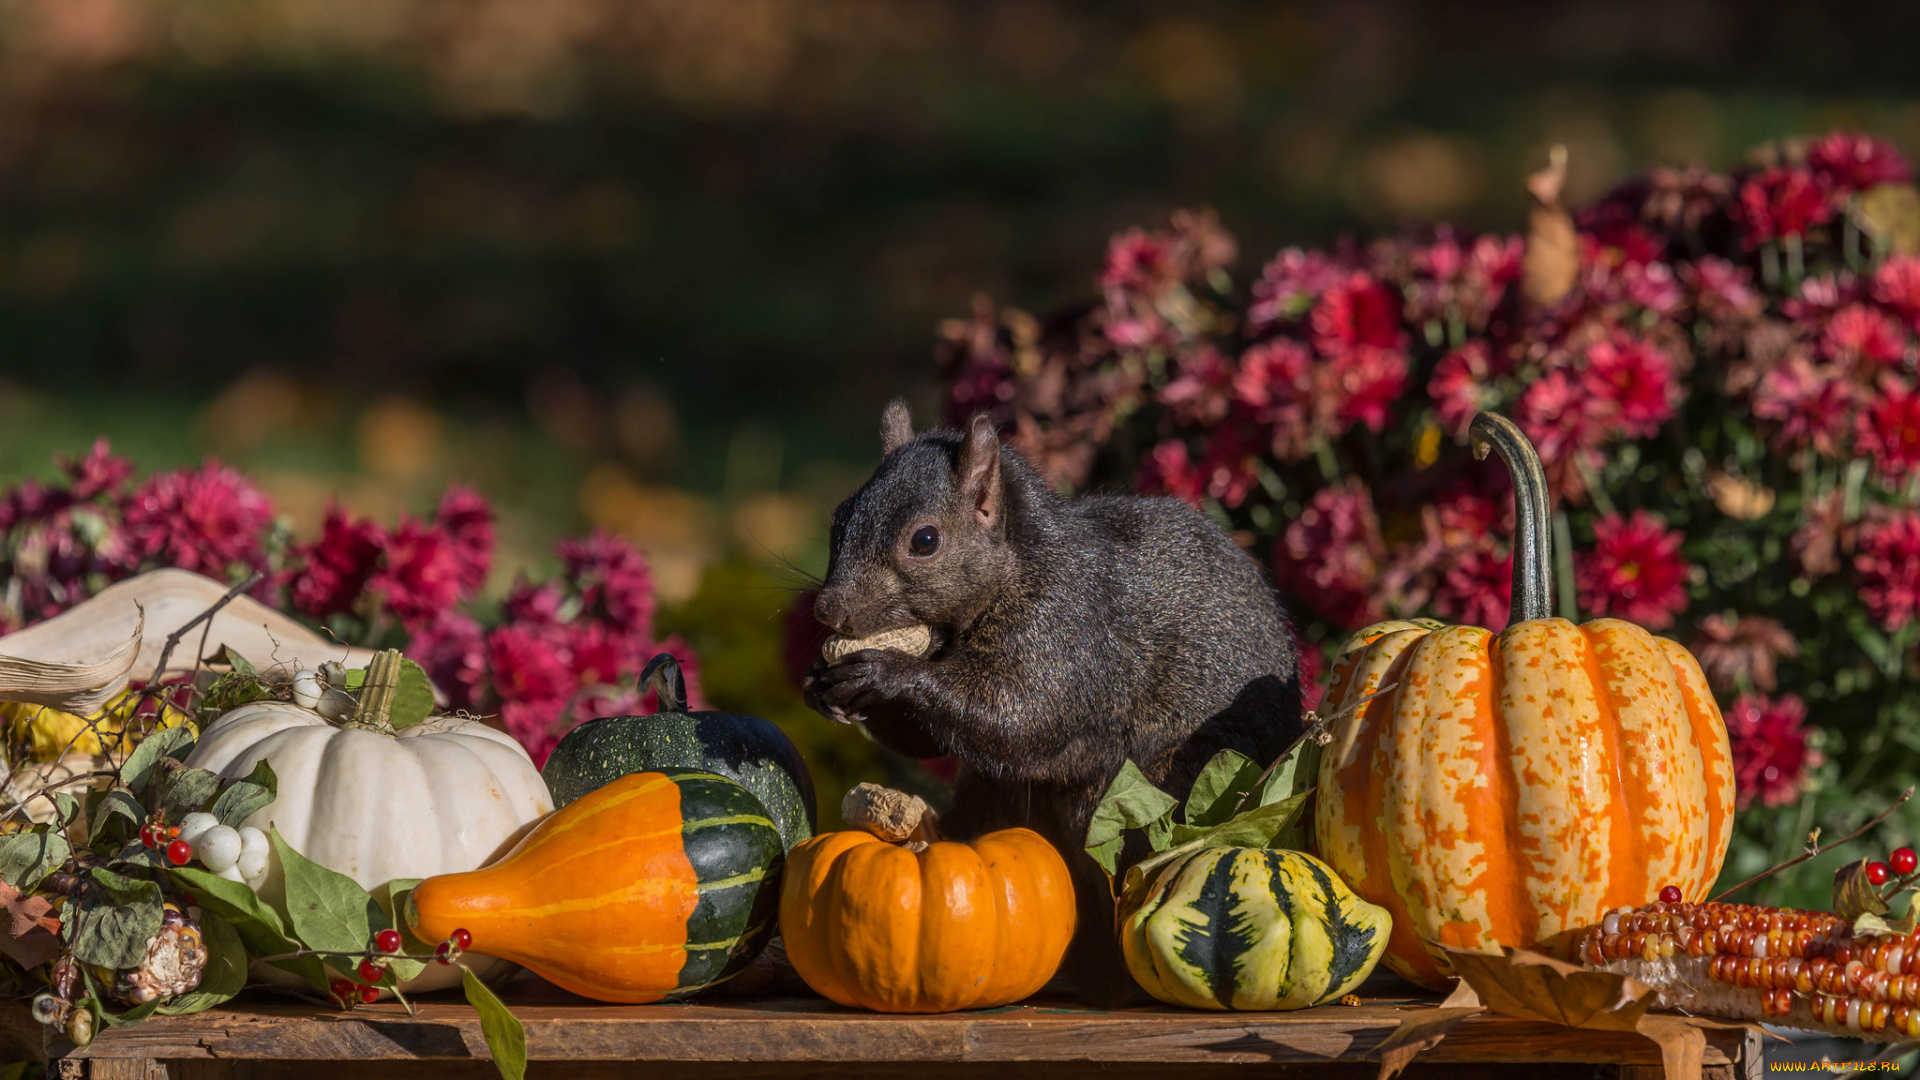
point(173, 742)
point(412, 696)
point(1219, 788)
point(1853, 894)
point(506, 1036)
point(188, 791)
point(116, 802)
point(242, 797)
point(27, 857)
point(1131, 802)
point(328, 910)
point(230, 691)
point(1255, 828)
point(258, 925)
point(392, 898)
point(238, 663)
point(114, 933)
point(1296, 774)
point(65, 809)
point(354, 678)
point(226, 970)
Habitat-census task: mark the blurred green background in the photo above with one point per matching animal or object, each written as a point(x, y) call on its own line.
point(654, 265)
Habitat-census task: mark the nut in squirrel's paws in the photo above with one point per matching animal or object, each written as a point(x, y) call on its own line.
point(914, 640)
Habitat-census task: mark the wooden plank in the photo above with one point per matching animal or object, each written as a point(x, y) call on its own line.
point(798, 1031)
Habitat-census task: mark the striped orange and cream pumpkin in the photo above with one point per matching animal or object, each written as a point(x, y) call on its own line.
point(1510, 787)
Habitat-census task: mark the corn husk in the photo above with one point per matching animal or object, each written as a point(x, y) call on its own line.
point(81, 659)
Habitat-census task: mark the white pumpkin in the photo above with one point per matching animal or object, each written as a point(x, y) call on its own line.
point(440, 797)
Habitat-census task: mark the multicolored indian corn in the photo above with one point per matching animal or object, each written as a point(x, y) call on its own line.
point(1802, 969)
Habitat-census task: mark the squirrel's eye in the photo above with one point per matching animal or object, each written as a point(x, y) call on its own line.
point(926, 541)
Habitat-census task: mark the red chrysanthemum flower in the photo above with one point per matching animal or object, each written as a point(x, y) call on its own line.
point(453, 650)
point(1228, 467)
point(420, 573)
point(1201, 391)
point(613, 581)
point(206, 520)
point(1566, 425)
point(1846, 162)
point(1634, 572)
point(1721, 290)
point(1888, 429)
point(1311, 667)
point(467, 521)
point(527, 663)
point(1887, 560)
point(1167, 470)
point(1813, 405)
point(333, 570)
point(1780, 202)
point(1136, 259)
point(1771, 751)
point(1636, 379)
point(1330, 555)
point(1475, 586)
point(1359, 311)
point(1460, 386)
point(1288, 286)
point(1897, 284)
point(100, 472)
point(1860, 335)
point(1370, 381)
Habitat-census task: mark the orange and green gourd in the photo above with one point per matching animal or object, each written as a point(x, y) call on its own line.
point(1511, 787)
point(654, 886)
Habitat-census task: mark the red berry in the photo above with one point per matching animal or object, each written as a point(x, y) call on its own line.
point(179, 852)
point(440, 952)
point(369, 994)
point(148, 836)
point(461, 938)
point(173, 832)
point(371, 972)
point(387, 941)
point(1670, 894)
point(1904, 861)
point(342, 991)
point(1877, 873)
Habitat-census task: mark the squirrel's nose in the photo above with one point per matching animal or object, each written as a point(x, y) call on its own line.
point(828, 609)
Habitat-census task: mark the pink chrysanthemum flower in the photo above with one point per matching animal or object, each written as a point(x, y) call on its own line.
point(1772, 754)
point(1168, 470)
point(1636, 379)
point(1812, 404)
point(1460, 386)
point(1888, 429)
point(1330, 556)
point(1779, 202)
point(613, 581)
point(1858, 335)
point(1634, 571)
point(1846, 161)
point(207, 520)
point(1887, 562)
point(334, 569)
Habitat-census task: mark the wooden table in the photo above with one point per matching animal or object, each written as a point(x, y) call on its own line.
point(1050, 1036)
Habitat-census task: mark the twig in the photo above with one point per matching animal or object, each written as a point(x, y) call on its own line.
point(174, 638)
point(1819, 849)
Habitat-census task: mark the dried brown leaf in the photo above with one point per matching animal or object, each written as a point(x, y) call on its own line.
point(1551, 263)
point(24, 912)
point(32, 934)
point(1682, 1044)
point(1417, 1032)
point(1535, 987)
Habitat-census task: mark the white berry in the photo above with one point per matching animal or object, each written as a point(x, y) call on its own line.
point(306, 689)
point(252, 839)
point(218, 848)
point(232, 873)
point(193, 825)
point(252, 865)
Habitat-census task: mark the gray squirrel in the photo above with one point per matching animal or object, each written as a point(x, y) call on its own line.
point(1067, 635)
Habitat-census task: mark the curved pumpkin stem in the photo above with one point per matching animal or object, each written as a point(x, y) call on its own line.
point(662, 675)
point(1532, 515)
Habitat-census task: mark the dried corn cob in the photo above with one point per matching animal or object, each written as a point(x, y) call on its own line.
point(1802, 969)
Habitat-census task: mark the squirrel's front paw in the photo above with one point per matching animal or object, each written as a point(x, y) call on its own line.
point(851, 688)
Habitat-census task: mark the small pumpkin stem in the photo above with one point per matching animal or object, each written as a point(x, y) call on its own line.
point(662, 675)
point(893, 816)
point(1532, 515)
point(375, 704)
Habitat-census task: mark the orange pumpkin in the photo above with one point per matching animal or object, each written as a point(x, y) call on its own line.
point(1514, 786)
point(878, 925)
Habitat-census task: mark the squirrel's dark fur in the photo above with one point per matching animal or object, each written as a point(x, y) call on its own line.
point(1069, 635)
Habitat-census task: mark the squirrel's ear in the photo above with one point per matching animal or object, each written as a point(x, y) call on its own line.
point(896, 426)
point(980, 469)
